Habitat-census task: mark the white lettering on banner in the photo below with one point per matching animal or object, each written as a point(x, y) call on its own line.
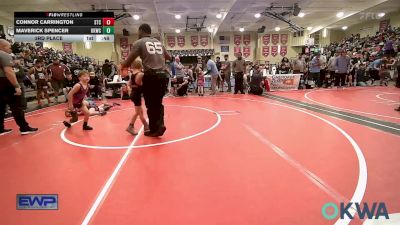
point(284, 81)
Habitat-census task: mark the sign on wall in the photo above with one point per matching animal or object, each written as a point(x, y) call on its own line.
point(274, 50)
point(246, 51)
point(237, 49)
point(237, 39)
point(181, 41)
point(224, 48)
point(266, 39)
point(171, 41)
point(204, 40)
point(275, 39)
point(246, 39)
point(283, 50)
point(194, 40)
point(265, 51)
point(284, 39)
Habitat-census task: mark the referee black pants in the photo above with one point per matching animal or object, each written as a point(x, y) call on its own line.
point(154, 88)
point(15, 102)
point(239, 82)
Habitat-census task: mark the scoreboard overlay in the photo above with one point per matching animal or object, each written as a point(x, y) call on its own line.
point(64, 26)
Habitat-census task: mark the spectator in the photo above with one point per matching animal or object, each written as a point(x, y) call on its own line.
point(315, 69)
point(41, 78)
point(213, 71)
point(57, 73)
point(179, 68)
point(107, 69)
point(362, 77)
point(299, 64)
point(226, 73)
point(342, 65)
point(239, 69)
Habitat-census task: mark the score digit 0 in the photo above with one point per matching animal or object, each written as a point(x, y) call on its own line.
point(108, 21)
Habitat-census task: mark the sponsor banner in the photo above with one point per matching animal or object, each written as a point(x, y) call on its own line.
point(284, 81)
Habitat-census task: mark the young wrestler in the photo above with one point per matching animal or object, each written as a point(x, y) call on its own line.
point(135, 83)
point(76, 100)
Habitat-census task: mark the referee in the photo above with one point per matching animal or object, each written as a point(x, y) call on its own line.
point(10, 92)
point(153, 55)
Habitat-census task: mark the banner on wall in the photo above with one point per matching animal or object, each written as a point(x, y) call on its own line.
point(284, 39)
point(237, 39)
point(204, 40)
point(283, 50)
point(194, 40)
point(236, 49)
point(124, 53)
point(123, 42)
point(246, 39)
point(67, 47)
point(274, 50)
point(284, 81)
point(181, 41)
point(265, 51)
point(383, 25)
point(171, 41)
point(266, 39)
point(246, 51)
point(275, 39)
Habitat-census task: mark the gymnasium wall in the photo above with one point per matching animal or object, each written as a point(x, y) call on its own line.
point(370, 26)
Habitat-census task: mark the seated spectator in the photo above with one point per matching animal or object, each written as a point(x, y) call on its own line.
point(362, 77)
point(94, 86)
point(69, 84)
point(256, 81)
point(182, 86)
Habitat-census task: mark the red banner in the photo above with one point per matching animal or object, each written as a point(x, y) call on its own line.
point(203, 40)
point(236, 49)
point(246, 39)
point(123, 42)
point(275, 39)
point(265, 51)
point(266, 39)
point(283, 50)
point(194, 40)
point(124, 53)
point(67, 47)
point(383, 25)
point(171, 41)
point(237, 39)
point(284, 39)
point(274, 50)
point(246, 51)
point(181, 41)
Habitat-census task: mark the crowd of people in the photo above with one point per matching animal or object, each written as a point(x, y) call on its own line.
point(355, 61)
